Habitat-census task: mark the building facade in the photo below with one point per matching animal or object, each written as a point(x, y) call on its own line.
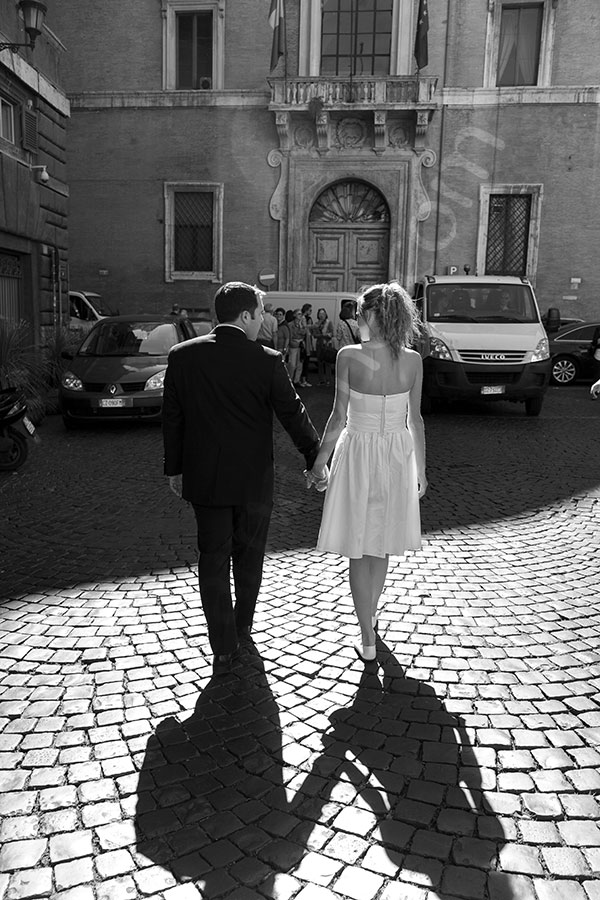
point(192, 163)
point(33, 188)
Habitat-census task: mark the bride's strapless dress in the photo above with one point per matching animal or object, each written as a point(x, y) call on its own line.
point(372, 502)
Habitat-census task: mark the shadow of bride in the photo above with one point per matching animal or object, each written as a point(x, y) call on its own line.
point(397, 789)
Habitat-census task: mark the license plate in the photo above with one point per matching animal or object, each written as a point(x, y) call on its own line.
point(492, 389)
point(29, 425)
point(115, 401)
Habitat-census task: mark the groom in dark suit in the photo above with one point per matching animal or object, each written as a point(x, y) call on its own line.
point(220, 393)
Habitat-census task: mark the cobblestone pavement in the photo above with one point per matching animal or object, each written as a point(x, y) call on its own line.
point(464, 764)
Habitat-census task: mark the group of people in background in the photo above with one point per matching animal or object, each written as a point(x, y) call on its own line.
point(299, 337)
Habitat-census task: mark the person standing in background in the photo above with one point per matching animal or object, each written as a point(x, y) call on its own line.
point(322, 333)
point(347, 332)
point(307, 348)
point(267, 334)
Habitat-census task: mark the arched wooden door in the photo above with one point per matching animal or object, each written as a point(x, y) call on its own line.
point(349, 228)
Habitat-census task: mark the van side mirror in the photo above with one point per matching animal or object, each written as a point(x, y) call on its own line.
point(552, 319)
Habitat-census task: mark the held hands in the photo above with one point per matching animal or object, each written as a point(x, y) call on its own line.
point(317, 477)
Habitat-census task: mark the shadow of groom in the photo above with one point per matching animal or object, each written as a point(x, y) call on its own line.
point(397, 789)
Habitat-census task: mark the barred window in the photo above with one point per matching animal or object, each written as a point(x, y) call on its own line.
point(508, 234)
point(193, 232)
point(193, 242)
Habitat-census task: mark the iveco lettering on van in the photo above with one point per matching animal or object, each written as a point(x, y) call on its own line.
point(482, 337)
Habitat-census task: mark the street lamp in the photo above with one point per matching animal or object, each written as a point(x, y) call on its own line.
point(34, 13)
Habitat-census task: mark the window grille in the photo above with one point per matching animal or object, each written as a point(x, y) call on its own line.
point(193, 231)
point(356, 37)
point(195, 50)
point(11, 306)
point(508, 234)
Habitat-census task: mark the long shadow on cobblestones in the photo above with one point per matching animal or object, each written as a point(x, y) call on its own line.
point(396, 789)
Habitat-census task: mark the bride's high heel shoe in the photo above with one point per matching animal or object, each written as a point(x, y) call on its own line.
point(366, 652)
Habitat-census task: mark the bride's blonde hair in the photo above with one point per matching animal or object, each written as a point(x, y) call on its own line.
point(395, 315)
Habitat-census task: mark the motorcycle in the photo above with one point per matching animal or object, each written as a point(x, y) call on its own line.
point(16, 429)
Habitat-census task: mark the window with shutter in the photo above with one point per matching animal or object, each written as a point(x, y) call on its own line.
point(30, 130)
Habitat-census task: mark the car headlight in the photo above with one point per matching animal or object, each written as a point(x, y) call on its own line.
point(156, 382)
point(71, 382)
point(438, 349)
point(542, 351)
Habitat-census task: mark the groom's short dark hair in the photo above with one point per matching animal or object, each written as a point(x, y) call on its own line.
point(233, 298)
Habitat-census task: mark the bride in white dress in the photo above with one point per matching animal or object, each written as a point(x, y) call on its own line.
point(376, 433)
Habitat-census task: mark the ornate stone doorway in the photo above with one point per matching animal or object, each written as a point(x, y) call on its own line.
point(349, 229)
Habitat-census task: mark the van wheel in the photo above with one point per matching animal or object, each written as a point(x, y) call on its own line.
point(533, 406)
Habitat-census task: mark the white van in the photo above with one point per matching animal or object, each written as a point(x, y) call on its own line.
point(85, 309)
point(482, 337)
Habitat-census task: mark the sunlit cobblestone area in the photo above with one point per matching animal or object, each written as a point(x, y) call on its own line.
point(464, 764)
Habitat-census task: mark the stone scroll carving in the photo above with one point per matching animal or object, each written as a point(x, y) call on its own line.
point(277, 204)
point(427, 158)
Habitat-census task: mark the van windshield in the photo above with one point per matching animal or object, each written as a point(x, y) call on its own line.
point(480, 303)
point(100, 305)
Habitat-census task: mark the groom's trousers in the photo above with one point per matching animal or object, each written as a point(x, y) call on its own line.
point(230, 538)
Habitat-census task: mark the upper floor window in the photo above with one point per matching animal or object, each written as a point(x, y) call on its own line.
point(356, 37)
point(519, 43)
point(519, 50)
point(195, 50)
point(360, 38)
point(193, 35)
point(7, 120)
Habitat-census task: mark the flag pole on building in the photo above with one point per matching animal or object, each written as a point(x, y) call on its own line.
point(421, 36)
point(277, 23)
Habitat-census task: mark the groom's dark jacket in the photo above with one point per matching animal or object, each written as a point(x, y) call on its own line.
point(220, 393)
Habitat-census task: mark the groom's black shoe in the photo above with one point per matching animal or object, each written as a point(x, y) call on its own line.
point(222, 664)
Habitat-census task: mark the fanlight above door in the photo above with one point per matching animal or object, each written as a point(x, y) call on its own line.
point(349, 202)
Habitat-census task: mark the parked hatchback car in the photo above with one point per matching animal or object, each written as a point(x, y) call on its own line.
point(118, 370)
point(570, 349)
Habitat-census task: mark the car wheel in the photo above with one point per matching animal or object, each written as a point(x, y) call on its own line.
point(17, 451)
point(564, 370)
point(533, 406)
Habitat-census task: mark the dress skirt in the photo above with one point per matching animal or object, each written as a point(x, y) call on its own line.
point(371, 505)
